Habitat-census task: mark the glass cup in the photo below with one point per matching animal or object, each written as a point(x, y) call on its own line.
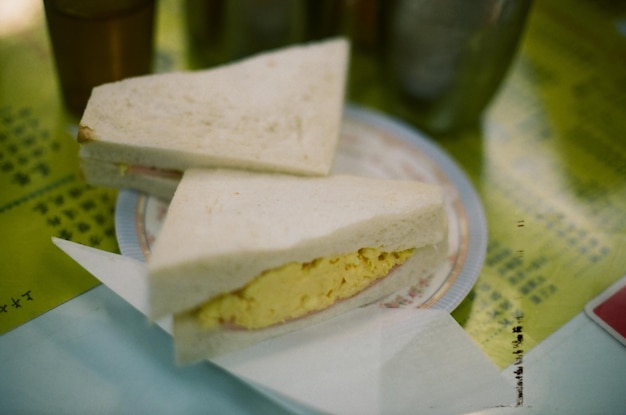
point(96, 42)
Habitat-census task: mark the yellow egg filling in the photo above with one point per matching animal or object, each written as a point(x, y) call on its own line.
point(296, 289)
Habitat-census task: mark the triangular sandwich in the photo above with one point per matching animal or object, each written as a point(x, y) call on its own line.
point(277, 111)
point(245, 256)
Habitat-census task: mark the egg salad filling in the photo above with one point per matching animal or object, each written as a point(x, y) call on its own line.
point(297, 289)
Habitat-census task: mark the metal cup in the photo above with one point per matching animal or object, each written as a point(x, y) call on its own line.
point(220, 31)
point(95, 42)
point(445, 59)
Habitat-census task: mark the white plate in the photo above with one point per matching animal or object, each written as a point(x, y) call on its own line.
point(371, 145)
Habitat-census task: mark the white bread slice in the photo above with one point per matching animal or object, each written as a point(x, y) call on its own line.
point(277, 111)
point(224, 227)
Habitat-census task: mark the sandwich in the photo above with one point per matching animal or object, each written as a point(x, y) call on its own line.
point(278, 111)
point(244, 256)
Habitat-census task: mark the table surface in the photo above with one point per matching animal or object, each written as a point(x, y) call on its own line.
point(549, 163)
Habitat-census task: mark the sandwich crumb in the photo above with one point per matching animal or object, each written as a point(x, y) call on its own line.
point(85, 134)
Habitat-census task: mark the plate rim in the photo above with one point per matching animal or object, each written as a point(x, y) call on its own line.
point(476, 221)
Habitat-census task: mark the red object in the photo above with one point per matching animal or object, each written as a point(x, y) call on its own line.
point(613, 311)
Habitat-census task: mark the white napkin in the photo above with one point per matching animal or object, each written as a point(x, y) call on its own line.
point(375, 360)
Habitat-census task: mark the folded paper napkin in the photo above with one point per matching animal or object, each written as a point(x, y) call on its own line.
point(371, 360)
point(375, 360)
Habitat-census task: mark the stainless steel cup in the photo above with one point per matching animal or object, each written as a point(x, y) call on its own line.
point(220, 31)
point(445, 59)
